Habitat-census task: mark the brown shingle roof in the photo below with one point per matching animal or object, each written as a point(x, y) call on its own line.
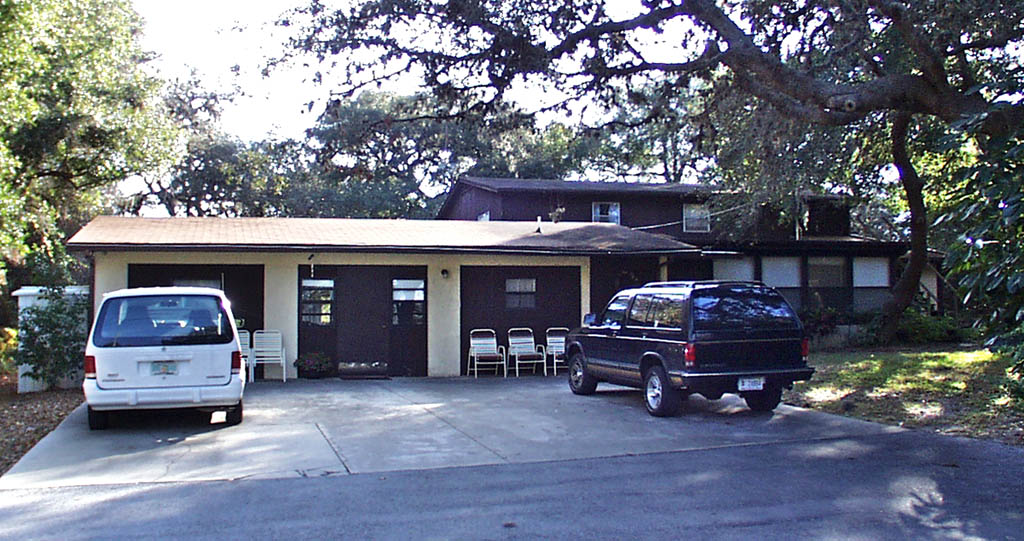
point(366, 235)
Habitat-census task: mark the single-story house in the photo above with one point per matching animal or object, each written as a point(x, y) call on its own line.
point(405, 292)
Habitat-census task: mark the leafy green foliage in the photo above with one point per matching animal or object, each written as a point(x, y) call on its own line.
point(52, 336)
point(8, 347)
point(986, 261)
point(77, 115)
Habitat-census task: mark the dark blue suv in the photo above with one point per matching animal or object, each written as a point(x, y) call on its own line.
point(672, 339)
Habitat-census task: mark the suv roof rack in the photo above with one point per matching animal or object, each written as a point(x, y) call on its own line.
point(692, 283)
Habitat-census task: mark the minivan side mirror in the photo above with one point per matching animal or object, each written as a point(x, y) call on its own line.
point(589, 320)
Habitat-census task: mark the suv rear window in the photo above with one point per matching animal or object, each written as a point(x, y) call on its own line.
point(741, 306)
point(162, 320)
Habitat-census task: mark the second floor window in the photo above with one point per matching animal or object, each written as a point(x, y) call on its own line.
point(696, 219)
point(606, 212)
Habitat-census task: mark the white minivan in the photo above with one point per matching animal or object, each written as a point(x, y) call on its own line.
point(163, 347)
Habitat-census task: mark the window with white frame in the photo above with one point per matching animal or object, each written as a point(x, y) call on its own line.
point(605, 211)
point(521, 293)
point(696, 218)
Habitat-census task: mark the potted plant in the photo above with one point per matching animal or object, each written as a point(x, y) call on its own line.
point(315, 365)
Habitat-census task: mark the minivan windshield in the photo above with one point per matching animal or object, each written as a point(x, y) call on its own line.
point(156, 320)
point(738, 306)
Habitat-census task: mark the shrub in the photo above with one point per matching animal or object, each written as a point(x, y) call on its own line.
point(8, 345)
point(52, 336)
point(916, 327)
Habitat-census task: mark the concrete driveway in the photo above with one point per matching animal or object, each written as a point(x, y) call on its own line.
point(336, 427)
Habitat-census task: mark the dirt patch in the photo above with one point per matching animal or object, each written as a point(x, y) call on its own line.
point(26, 418)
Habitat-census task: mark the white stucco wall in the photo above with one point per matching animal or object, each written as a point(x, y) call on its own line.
point(280, 296)
point(733, 268)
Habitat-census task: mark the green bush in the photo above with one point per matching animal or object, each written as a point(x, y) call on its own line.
point(916, 327)
point(52, 336)
point(8, 345)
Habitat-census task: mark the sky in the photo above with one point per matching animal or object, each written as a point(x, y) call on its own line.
point(212, 37)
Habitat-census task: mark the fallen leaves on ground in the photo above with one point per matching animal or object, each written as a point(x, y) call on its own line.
point(26, 418)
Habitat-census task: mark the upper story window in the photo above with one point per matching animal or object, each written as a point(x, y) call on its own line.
point(605, 212)
point(696, 218)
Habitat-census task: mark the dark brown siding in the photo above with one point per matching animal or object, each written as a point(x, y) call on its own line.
point(484, 303)
point(608, 275)
point(470, 202)
point(243, 285)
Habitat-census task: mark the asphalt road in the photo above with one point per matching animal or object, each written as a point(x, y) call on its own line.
point(849, 483)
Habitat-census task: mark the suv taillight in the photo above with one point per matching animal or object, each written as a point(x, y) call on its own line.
point(805, 349)
point(236, 362)
point(90, 367)
point(690, 355)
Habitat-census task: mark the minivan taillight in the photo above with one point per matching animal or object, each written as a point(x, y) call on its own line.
point(805, 349)
point(90, 367)
point(690, 355)
point(236, 362)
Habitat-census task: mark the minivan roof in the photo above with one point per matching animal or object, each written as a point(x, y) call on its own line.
point(171, 290)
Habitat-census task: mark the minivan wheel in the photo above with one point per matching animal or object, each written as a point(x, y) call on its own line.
point(98, 420)
point(234, 415)
point(580, 381)
point(660, 398)
point(765, 400)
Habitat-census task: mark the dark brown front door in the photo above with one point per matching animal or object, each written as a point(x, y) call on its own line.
point(378, 318)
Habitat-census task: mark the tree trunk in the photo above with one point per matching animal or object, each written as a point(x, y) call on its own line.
point(907, 286)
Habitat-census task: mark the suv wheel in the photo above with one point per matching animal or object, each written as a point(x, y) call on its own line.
point(765, 400)
point(660, 398)
point(98, 420)
point(580, 381)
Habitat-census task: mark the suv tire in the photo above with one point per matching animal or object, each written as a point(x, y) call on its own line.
point(660, 398)
point(580, 381)
point(98, 420)
point(765, 400)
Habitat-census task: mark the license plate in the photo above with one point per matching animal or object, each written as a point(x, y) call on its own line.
point(163, 368)
point(751, 384)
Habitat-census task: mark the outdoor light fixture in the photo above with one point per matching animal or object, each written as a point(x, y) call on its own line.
point(444, 273)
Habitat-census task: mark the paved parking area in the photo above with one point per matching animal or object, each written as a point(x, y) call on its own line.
point(335, 427)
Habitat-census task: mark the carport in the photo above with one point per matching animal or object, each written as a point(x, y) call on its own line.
point(396, 293)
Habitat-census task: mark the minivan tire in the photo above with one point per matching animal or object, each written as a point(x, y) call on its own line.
point(234, 415)
point(660, 398)
point(98, 420)
point(580, 381)
point(766, 400)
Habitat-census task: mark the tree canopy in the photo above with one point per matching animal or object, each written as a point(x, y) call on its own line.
point(877, 66)
point(77, 114)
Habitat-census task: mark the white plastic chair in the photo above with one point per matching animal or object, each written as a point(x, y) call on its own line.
point(554, 339)
point(523, 350)
point(245, 344)
point(268, 348)
point(484, 350)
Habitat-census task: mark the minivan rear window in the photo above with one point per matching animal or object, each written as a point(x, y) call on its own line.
point(157, 320)
point(741, 306)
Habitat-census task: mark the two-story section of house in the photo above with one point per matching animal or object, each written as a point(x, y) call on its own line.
point(815, 262)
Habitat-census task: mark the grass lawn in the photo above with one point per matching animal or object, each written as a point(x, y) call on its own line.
point(950, 390)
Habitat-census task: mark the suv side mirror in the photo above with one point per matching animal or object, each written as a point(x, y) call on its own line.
point(589, 320)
